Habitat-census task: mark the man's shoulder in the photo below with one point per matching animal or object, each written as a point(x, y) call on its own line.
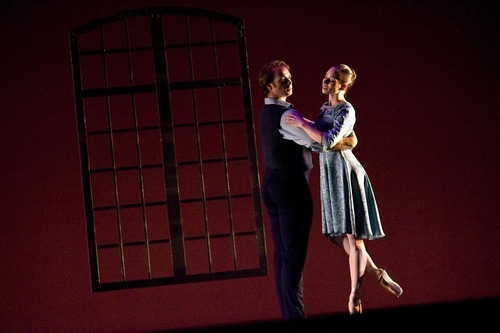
point(290, 111)
point(275, 106)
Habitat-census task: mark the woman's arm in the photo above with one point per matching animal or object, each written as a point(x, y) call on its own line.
point(297, 121)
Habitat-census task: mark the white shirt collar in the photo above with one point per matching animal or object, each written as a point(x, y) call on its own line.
point(276, 101)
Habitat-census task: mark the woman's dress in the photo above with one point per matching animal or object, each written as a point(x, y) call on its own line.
point(347, 200)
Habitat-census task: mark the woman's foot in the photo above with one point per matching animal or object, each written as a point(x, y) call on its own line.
point(386, 282)
point(354, 305)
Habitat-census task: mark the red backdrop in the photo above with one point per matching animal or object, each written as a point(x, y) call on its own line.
point(427, 107)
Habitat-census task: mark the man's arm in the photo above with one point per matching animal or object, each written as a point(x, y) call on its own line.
point(292, 119)
point(347, 143)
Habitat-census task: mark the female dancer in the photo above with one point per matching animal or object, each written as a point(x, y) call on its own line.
point(349, 210)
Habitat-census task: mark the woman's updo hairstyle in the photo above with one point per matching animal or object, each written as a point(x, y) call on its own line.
point(345, 75)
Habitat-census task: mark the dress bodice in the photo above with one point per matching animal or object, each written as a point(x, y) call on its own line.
point(335, 122)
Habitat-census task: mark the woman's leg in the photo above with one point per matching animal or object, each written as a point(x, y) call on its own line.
point(378, 273)
point(359, 259)
point(364, 257)
point(348, 243)
point(355, 265)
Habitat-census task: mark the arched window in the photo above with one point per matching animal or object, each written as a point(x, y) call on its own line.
point(167, 147)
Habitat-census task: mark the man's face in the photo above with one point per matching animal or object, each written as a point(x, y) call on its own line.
point(282, 86)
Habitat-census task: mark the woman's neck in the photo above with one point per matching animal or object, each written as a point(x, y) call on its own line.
point(336, 99)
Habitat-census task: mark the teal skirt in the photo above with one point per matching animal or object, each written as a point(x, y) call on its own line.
point(348, 204)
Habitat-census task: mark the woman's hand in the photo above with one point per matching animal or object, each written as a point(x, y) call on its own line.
point(294, 120)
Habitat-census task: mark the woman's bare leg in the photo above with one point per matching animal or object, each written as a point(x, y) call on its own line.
point(355, 264)
point(356, 258)
point(378, 273)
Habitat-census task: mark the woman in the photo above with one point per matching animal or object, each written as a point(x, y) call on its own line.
point(349, 210)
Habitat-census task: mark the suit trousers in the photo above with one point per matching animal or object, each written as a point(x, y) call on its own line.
point(289, 204)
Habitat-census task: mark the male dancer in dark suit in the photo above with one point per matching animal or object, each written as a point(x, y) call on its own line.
point(285, 188)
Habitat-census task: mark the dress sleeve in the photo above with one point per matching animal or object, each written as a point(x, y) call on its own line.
point(342, 126)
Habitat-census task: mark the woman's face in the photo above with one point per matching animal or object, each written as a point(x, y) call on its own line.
point(282, 85)
point(329, 85)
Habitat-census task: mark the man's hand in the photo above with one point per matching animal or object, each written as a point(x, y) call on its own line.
point(347, 143)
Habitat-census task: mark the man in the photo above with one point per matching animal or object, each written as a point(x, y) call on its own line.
point(285, 189)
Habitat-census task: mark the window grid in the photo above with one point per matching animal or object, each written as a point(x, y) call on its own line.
point(170, 196)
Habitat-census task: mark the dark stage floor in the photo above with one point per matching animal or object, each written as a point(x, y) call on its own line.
point(464, 316)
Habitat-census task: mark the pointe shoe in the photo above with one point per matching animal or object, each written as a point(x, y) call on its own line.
point(387, 283)
point(354, 306)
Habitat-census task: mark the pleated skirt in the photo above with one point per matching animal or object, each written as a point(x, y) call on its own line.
point(348, 203)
